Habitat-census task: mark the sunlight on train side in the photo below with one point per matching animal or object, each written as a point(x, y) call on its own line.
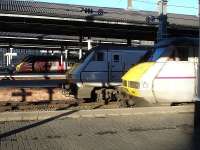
point(163, 77)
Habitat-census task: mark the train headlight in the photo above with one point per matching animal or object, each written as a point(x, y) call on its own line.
point(124, 83)
point(133, 84)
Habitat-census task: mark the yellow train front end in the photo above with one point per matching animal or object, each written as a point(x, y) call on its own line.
point(133, 84)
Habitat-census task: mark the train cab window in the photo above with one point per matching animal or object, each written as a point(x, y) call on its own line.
point(178, 53)
point(116, 58)
point(195, 51)
point(193, 54)
point(182, 53)
point(99, 56)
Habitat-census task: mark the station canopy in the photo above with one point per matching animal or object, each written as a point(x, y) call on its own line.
point(41, 23)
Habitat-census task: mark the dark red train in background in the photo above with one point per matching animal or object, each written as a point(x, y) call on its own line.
point(42, 63)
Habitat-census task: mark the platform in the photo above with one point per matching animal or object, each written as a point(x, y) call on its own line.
point(134, 132)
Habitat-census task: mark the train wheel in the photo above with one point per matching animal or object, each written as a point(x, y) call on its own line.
point(141, 103)
point(131, 102)
point(126, 102)
point(122, 103)
point(99, 96)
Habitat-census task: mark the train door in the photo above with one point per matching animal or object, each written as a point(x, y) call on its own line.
point(116, 67)
point(96, 70)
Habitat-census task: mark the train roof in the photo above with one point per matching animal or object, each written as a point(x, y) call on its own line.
point(178, 41)
point(114, 47)
point(41, 56)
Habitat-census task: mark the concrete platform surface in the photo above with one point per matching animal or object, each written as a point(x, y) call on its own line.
point(133, 132)
point(76, 113)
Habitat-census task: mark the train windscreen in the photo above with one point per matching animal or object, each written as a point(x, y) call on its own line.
point(176, 53)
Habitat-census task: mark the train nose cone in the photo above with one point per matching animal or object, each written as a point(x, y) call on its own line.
point(74, 77)
point(75, 73)
point(136, 73)
point(133, 78)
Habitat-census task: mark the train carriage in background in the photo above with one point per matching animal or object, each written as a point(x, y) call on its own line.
point(168, 76)
point(35, 64)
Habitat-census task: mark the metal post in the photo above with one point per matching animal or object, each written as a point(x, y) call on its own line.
point(89, 42)
point(129, 42)
point(129, 7)
point(11, 52)
point(197, 102)
point(66, 59)
point(9, 55)
point(80, 54)
point(196, 137)
point(8, 59)
point(61, 55)
point(81, 45)
point(162, 30)
point(62, 58)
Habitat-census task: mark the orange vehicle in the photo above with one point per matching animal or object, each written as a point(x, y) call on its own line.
point(33, 63)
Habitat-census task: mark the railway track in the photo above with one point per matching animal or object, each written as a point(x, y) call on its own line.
point(54, 105)
point(31, 106)
point(63, 105)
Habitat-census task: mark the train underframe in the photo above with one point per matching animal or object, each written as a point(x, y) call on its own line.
point(110, 94)
point(105, 95)
point(96, 94)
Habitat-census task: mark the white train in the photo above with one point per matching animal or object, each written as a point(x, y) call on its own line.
point(101, 71)
point(168, 76)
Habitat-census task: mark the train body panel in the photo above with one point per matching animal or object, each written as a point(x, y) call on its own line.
point(177, 84)
point(104, 66)
point(169, 75)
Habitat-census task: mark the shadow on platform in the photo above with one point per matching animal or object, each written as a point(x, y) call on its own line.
point(15, 131)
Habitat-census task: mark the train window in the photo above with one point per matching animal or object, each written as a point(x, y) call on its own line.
point(193, 54)
point(178, 53)
point(99, 56)
point(196, 50)
point(183, 53)
point(116, 58)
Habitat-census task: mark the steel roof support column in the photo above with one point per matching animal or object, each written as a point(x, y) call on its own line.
point(89, 42)
point(81, 45)
point(66, 59)
point(129, 42)
point(197, 102)
point(62, 58)
point(9, 56)
point(130, 5)
point(162, 29)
